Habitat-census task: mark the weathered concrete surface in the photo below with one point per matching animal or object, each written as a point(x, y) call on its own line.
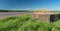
point(54, 17)
point(43, 17)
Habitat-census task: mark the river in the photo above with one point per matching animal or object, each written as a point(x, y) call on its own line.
point(7, 14)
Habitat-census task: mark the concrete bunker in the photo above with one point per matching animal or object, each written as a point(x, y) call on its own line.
point(47, 16)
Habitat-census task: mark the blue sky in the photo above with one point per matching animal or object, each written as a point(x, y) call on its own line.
point(30, 4)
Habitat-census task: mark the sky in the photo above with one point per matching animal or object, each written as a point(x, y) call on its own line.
point(29, 4)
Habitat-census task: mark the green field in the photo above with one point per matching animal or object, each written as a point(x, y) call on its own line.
point(27, 23)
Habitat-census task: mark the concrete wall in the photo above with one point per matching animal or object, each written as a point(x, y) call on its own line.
point(54, 17)
point(42, 17)
point(47, 17)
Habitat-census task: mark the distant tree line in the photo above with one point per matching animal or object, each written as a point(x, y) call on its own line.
point(15, 11)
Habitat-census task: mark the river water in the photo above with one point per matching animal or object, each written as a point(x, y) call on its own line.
point(7, 14)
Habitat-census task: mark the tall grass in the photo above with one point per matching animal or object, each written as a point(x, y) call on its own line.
point(27, 23)
point(56, 26)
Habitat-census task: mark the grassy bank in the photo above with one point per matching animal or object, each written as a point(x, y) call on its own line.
point(27, 23)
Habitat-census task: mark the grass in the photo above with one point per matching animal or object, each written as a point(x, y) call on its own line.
point(27, 23)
